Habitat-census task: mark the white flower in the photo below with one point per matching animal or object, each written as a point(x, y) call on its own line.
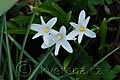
point(80, 28)
point(59, 39)
point(44, 29)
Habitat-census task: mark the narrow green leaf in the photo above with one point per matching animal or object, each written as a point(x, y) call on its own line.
point(67, 61)
point(53, 10)
point(113, 18)
point(11, 25)
point(118, 33)
point(59, 9)
point(103, 33)
point(19, 31)
point(69, 16)
point(8, 53)
point(5, 5)
point(24, 19)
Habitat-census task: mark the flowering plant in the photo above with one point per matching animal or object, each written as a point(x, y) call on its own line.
point(51, 36)
point(59, 39)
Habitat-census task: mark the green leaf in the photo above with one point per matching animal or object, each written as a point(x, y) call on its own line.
point(109, 2)
point(105, 71)
point(5, 5)
point(11, 25)
point(116, 69)
point(103, 33)
point(67, 61)
point(24, 19)
point(69, 16)
point(18, 31)
point(53, 10)
point(79, 5)
point(92, 4)
point(113, 18)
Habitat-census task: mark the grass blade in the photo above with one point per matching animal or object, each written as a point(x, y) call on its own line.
point(8, 52)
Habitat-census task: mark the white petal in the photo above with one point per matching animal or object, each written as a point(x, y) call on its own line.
point(80, 37)
point(46, 38)
point(52, 31)
point(72, 35)
point(36, 27)
point(44, 46)
point(90, 33)
point(86, 22)
point(74, 25)
point(57, 47)
point(37, 35)
point(52, 22)
point(81, 18)
point(67, 46)
point(63, 30)
point(42, 20)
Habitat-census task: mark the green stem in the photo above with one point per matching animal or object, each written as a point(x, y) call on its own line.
point(118, 34)
point(25, 40)
point(60, 65)
point(19, 47)
point(26, 36)
point(29, 56)
point(105, 57)
point(82, 50)
point(39, 65)
point(8, 51)
point(1, 40)
point(51, 75)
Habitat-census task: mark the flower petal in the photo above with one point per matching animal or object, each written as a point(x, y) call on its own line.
point(57, 47)
point(76, 26)
point(90, 33)
point(46, 38)
point(52, 31)
point(44, 46)
point(63, 30)
point(81, 18)
point(36, 27)
point(42, 20)
point(37, 35)
point(72, 35)
point(67, 46)
point(86, 22)
point(52, 22)
point(80, 37)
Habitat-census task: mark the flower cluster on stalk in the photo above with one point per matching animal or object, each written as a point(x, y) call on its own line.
point(59, 38)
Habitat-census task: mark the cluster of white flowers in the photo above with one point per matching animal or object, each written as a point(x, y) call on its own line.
point(51, 36)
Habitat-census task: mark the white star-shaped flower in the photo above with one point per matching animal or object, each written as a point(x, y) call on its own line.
point(59, 39)
point(44, 29)
point(80, 28)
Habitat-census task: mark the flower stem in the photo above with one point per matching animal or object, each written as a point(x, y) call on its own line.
point(30, 57)
point(39, 65)
point(1, 41)
point(26, 36)
point(95, 65)
point(8, 51)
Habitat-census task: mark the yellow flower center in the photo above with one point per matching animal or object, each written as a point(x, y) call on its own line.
point(81, 28)
point(59, 36)
point(46, 29)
